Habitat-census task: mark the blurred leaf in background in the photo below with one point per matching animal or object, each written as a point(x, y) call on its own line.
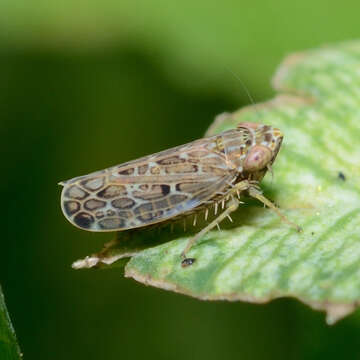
point(87, 85)
point(9, 349)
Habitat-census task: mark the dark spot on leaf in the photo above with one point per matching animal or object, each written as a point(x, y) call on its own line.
point(187, 262)
point(341, 176)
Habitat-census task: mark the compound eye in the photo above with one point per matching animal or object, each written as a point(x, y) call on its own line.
point(257, 158)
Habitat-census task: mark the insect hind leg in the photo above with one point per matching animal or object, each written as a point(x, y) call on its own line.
point(230, 207)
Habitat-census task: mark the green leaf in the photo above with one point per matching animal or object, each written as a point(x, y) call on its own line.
point(9, 349)
point(316, 184)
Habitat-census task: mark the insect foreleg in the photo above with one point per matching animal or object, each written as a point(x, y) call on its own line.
point(231, 206)
point(256, 193)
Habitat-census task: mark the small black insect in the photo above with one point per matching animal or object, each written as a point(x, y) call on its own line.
point(341, 176)
point(187, 262)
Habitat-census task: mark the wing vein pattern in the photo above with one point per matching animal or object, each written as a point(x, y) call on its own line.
point(148, 190)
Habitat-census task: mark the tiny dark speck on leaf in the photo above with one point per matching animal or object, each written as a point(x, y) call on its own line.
point(187, 262)
point(312, 233)
point(341, 176)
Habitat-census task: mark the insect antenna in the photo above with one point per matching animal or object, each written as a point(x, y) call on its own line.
point(255, 107)
point(247, 93)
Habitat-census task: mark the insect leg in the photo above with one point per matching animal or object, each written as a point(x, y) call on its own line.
point(255, 193)
point(231, 206)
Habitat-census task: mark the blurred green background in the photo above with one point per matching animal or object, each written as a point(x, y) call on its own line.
point(89, 84)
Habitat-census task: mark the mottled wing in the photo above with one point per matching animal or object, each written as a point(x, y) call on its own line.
point(148, 190)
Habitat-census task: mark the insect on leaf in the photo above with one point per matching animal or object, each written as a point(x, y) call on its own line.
point(316, 184)
point(175, 183)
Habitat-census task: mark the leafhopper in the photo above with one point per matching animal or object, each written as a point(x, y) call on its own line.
point(209, 173)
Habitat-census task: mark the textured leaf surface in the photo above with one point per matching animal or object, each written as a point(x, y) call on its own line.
point(316, 184)
point(9, 349)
